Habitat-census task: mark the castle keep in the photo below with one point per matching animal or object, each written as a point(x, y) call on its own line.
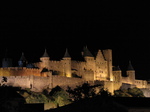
point(67, 72)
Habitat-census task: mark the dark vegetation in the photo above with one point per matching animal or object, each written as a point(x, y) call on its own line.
point(130, 92)
point(59, 97)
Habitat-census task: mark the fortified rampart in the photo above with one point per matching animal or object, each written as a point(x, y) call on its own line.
point(49, 73)
point(88, 75)
point(40, 83)
point(111, 86)
point(17, 81)
point(35, 83)
point(125, 80)
point(19, 71)
point(141, 83)
point(66, 81)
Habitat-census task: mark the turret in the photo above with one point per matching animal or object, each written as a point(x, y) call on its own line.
point(87, 54)
point(22, 61)
point(45, 59)
point(67, 55)
point(130, 67)
point(131, 73)
point(67, 64)
point(45, 56)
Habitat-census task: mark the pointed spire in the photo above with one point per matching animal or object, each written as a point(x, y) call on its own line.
point(45, 54)
point(66, 54)
point(22, 62)
point(22, 58)
point(87, 52)
point(130, 67)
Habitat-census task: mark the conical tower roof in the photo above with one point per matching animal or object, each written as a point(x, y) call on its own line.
point(87, 52)
point(22, 58)
point(22, 61)
point(66, 54)
point(130, 67)
point(45, 54)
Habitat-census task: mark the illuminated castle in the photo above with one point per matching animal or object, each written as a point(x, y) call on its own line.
point(48, 73)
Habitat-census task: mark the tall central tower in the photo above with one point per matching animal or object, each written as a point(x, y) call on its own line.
point(108, 57)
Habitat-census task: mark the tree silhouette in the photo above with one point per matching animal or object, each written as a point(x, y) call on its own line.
point(82, 91)
point(104, 93)
point(4, 80)
point(59, 96)
point(131, 92)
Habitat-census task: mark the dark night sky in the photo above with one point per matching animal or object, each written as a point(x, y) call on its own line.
point(120, 26)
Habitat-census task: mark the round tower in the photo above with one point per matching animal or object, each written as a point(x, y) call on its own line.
point(45, 59)
point(67, 64)
point(87, 54)
point(131, 73)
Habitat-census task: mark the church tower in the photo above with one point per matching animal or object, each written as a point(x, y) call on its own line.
point(131, 73)
point(67, 64)
point(22, 61)
point(45, 59)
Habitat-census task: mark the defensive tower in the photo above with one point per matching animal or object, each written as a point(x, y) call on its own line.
point(45, 60)
point(67, 64)
point(131, 73)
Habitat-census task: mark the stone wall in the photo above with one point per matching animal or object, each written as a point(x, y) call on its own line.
point(78, 67)
point(19, 71)
point(88, 75)
point(17, 81)
point(40, 83)
point(126, 86)
point(66, 81)
point(141, 83)
point(36, 83)
point(146, 92)
point(125, 79)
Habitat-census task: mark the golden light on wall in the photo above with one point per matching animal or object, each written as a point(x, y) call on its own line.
point(111, 79)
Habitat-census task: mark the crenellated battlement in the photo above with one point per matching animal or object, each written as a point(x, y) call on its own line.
point(18, 68)
point(76, 61)
point(55, 62)
point(19, 71)
point(94, 68)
